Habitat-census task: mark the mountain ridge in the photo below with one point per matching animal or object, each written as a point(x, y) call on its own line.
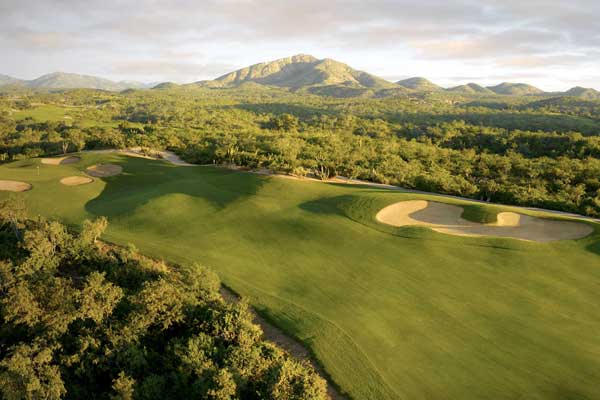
point(301, 73)
point(68, 80)
point(419, 84)
point(517, 89)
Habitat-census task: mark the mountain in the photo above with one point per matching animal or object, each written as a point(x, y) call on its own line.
point(584, 93)
point(8, 80)
point(516, 89)
point(165, 85)
point(63, 80)
point(419, 84)
point(303, 72)
point(470, 88)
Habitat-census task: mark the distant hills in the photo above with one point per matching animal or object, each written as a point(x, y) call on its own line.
point(584, 93)
point(470, 88)
point(64, 80)
point(302, 73)
point(515, 89)
point(7, 80)
point(419, 84)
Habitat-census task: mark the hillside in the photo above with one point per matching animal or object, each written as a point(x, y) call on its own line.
point(470, 88)
point(584, 93)
point(302, 72)
point(515, 89)
point(419, 84)
point(64, 80)
point(165, 85)
point(8, 80)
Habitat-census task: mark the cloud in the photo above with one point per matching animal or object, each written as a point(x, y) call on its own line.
point(510, 35)
point(166, 69)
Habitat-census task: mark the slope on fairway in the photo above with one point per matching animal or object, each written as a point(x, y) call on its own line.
point(390, 312)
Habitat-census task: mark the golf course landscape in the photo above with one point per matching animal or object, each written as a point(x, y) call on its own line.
point(390, 312)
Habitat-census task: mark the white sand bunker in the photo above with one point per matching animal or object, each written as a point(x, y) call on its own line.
point(76, 180)
point(446, 218)
point(104, 170)
point(14, 186)
point(61, 160)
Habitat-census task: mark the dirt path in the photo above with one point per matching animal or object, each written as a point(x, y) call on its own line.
point(292, 346)
point(447, 218)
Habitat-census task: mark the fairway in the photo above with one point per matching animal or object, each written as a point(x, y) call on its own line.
point(390, 312)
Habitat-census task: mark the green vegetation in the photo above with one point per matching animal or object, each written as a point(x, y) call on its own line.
point(521, 150)
point(471, 88)
point(515, 89)
point(84, 320)
point(419, 84)
point(389, 312)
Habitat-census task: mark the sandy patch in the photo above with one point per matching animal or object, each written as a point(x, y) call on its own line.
point(76, 180)
point(14, 186)
point(61, 160)
point(104, 170)
point(446, 218)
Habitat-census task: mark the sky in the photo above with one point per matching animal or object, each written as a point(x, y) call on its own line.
point(552, 44)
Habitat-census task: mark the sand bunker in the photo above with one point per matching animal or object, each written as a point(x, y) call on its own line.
point(104, 170)
point(14, 186)
point(446, 218)
point(61, 160)
point(76, 180)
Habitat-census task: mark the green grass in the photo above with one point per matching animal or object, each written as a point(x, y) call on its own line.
point(390, 312)
point(69, 115)
point(45, 112)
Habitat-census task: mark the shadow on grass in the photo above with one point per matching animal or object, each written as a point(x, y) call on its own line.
point(143, 181)
point(594, 247)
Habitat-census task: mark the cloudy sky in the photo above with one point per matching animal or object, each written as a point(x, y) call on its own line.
point(554, 44)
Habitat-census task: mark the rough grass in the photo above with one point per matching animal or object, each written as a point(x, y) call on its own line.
point(45, 112)
point(480, 213)
point(390, 312)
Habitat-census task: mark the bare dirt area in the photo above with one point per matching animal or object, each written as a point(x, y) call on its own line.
point(104, 170)
point(76, 180)
point(61, 160)
point(14, 186)
point(447, 218)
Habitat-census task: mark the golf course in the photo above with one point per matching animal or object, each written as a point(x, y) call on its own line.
point(391, 309)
